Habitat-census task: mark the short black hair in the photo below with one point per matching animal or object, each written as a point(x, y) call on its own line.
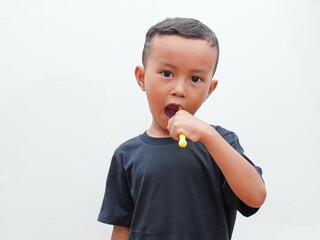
point(184, 27)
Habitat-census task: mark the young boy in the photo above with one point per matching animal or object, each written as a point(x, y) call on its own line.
point(157, 190)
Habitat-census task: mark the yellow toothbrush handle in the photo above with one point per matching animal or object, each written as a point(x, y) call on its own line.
point(182, 138)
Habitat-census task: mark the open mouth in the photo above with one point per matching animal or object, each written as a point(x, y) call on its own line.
point(171, 110)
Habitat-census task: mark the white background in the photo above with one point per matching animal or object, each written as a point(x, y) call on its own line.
point(68, 98)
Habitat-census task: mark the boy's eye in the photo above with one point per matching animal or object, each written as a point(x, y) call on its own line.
point(166, 74)
point(195, 79)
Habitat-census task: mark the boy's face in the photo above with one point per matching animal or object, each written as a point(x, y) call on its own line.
point(178, 72)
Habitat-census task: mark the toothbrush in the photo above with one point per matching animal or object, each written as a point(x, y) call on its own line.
point(182, 138)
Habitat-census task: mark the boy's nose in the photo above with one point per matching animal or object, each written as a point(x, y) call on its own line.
point(179, 88)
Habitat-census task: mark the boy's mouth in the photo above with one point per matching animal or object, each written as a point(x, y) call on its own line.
point(171, 109)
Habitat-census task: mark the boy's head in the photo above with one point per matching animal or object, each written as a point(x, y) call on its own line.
point(179, 57)
point(184, 27)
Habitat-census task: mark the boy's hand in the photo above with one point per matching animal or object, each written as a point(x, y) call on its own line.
point(187, 124)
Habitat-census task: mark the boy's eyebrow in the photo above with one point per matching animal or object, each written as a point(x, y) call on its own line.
point(165, 64)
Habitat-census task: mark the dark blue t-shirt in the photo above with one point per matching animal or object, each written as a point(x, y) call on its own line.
point(164, 192)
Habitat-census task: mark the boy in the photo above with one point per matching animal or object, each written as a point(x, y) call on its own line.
point(158, 191)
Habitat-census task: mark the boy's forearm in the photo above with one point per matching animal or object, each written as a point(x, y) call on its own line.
point(242, 177)
point(120, 233)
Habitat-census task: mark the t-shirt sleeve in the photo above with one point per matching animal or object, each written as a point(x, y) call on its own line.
point(231, 199)
point(117, 206)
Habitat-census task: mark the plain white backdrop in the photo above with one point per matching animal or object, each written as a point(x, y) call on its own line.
point(68, 98)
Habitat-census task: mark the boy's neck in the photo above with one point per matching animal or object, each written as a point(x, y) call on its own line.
point(152, 132)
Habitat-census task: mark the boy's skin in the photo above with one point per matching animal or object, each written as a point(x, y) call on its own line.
point(178, 72)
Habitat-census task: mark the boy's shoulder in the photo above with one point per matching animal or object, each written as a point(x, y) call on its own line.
point(225, 133)
point(130, 143)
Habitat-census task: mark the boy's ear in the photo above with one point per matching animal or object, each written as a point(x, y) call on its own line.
point(139, 73)
point(213, 85)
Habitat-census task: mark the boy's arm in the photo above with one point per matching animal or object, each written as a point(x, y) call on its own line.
point(120, 233)
point(241, 176)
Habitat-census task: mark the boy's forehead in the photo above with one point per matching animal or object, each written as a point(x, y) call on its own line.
point(179, 50)
point(176, 42)
point(167, 41)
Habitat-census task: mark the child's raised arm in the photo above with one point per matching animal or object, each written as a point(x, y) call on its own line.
point(241, 176)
